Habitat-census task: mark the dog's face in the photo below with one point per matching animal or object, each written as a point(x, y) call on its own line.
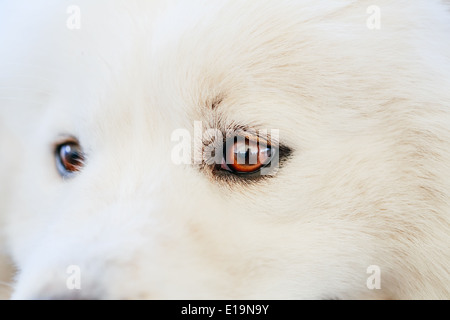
point(114, 175)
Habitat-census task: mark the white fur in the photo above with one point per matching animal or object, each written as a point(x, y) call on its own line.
point(366, 113)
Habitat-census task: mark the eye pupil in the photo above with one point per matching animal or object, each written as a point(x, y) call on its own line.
point(69, 158)
point(244, 156)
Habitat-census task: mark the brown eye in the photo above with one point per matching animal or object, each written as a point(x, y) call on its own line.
point(69, 158)
point(244, 156)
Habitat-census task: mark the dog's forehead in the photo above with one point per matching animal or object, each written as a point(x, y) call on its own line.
point(238, 59)
point(172, 63)
point(191, 58)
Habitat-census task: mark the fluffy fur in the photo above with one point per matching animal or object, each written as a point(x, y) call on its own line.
point(365, 112)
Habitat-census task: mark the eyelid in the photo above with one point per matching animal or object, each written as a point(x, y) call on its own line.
point(64, 138)
point(253, 135)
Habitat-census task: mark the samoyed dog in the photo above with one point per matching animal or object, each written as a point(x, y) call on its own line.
point(293, 149)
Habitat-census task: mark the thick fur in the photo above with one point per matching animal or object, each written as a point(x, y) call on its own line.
point(365, 112)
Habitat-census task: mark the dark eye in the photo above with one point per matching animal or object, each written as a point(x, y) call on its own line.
point(69, 158)
point(246, 156)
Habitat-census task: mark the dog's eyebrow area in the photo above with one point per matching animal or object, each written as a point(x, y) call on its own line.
point(215, 102)
point(215, 111)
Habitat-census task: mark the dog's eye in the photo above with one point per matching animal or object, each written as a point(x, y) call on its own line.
point(69, 158)
point(246, 156)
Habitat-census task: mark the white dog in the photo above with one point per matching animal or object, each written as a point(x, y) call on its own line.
point(344, 106)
